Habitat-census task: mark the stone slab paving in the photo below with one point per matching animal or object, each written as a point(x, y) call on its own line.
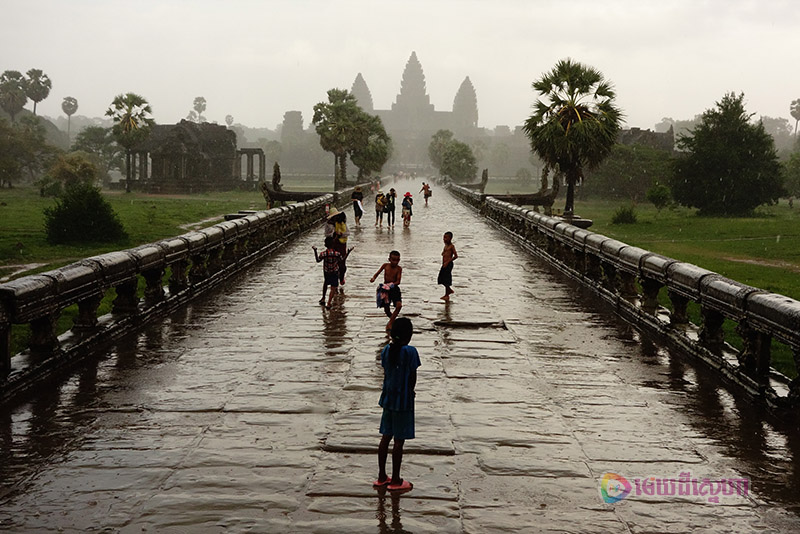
point(255, 410)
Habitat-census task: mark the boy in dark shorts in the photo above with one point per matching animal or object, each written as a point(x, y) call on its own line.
point(449, 255)
point(389, 291)
point(330, 268)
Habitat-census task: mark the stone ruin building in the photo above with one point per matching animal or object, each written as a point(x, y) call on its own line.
point(191, 157)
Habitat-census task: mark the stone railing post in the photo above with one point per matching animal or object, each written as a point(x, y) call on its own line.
point(711, 333)
point(127, 301)
point(86, 320)
point(178, 280)
point(678, 316)
point(154, 289)
point(754, 358)
point(5, 343)
point(650, 290)
point(43, 333)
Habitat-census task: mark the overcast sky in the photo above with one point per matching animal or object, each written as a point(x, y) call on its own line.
point(256, 59)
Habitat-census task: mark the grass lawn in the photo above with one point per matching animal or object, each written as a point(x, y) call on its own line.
point(146, 218)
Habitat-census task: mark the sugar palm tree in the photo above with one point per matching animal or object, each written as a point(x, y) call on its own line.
point(132, 122)
point(575, 123)
point(12, 92)
point(69, 106)
point(37, 87)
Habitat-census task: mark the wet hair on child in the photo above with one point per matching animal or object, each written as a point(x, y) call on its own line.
point(329, 241)
point(401, 333)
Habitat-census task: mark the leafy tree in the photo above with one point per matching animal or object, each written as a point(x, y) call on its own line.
point(69, 106)
point(12, 92)
point(458, 162)
point(575, 123)
point(373, 151)
point(34, 154)
point(229, 120)
point(678, 126)
point(730, 165)
point(436, 148)
point(336, 123)
point(660, 196)
point(38, 86)
point(100, 144)
point(781, 131)
point(82, 215)
point(628, 173)
point(792, 175)
point(196, 115)
point(132, 123)
point(10, 150)
point(794, 109)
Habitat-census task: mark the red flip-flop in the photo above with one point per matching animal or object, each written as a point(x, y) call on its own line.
point(405, 485)
point(378, 484)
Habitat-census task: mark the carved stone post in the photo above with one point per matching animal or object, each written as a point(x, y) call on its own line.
point(229, 254)
point(650, 289)
point(86, 320)
point(199, 270)
point(755, 355)
point(154, 290)
point(794, 386)
point(126, 301)
point(5, 344)
point(610, 276)
point(250, 173)
point(214, 262)
point(678, 317)
point(711, 332)
point(592, 269)
point(43, 333)
point(627, 285)
point(178, 280)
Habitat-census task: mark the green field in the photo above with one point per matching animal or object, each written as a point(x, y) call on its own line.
point(146, 218)
point(762, 251)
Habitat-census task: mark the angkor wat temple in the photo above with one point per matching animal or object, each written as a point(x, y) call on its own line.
point(412, 120)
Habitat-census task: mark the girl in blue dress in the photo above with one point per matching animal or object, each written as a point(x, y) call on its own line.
point(400, 362)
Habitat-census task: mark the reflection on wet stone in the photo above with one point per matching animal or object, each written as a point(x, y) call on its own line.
point(255, 410)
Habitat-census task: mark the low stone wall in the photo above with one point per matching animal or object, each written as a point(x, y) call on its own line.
point(631, 278)
point(197, 261)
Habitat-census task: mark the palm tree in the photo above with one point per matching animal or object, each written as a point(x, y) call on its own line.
point(69, 106)
point(132, 122)
point(794, 109)
point(12, 92)
point(335, 123)
point(37, 87)
point(575, 123)
point(374, 145)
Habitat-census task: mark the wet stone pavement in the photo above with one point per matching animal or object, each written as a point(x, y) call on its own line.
point(255, 410)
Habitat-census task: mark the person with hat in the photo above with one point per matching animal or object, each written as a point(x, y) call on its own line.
point(408, 202)
point(380, 203)
point(336, 227)
point(391, 199)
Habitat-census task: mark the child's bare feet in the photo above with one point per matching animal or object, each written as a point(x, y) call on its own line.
point(445, 297)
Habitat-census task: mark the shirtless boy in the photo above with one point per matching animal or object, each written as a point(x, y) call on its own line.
point(449, 255)
point(389, 291)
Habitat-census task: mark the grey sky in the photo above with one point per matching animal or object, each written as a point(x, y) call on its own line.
point(257, 59)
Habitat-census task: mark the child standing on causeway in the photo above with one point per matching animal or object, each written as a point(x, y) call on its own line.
point(400, 362)
point(330, 269)
point(389, 291)
point(449, 255)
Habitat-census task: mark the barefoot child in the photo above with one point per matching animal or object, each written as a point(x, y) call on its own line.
point(389, 291)
point(449, 255)
point(330, 268)
point(400, 362)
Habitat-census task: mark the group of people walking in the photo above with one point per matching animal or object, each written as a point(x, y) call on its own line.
point(399, 359)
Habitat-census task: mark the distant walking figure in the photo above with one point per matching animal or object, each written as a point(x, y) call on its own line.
point(391, 200)
point(400, 362)
point(358, 208)
point(408, 202)
point(380, 203)
point(449, 255)
point(426, 191)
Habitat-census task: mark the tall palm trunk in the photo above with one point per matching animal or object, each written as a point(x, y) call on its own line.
point(342, 172)
point(573, 175)
point(128, 171)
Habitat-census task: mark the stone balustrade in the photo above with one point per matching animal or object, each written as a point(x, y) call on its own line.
point(631, 279)
point(194, 262)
